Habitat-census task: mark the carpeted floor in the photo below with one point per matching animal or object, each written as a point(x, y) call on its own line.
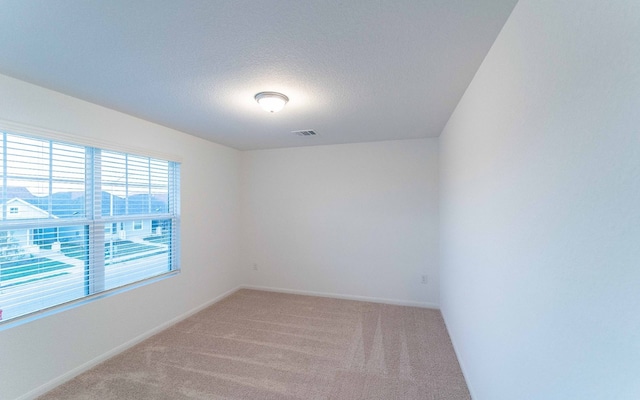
point(263, 345)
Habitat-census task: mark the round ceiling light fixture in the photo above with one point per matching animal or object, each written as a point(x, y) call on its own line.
point(271, 101)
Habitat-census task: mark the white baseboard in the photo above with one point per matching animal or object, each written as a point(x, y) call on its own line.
point(460, 360)
point(345, 296)
point(39, 391)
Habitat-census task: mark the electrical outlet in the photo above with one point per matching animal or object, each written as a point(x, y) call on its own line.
point(255, 267)
point(423, 279)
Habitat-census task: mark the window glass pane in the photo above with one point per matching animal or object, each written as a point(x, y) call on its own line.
point(68, 163)
point(67, 181)
point(159, 186)
point(27, 159)
point(132, 255)
point(138, 174)
point(27, 178)
point(41, 268)
point(134, 185)
point(114, 172)
point(2, 158)
point(44, 179)
point(114, 183)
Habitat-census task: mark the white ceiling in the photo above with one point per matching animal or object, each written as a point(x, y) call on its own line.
point(354, 71)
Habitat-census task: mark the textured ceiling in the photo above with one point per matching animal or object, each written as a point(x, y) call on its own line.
point(354, 71)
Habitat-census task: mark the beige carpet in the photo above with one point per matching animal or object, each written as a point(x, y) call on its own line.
point(263, 345)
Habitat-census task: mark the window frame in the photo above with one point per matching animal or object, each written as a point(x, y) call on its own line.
point(96, 223)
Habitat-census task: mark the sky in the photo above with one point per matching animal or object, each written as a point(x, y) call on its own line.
point(29, 162)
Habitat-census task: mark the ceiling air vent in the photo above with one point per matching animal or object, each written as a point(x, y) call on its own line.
point(306, 132)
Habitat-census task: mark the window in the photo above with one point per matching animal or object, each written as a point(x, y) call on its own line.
point(85, 220)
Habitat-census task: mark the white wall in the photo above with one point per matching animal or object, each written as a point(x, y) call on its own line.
point(540, 207)
point(32, 354)
point(349, 220)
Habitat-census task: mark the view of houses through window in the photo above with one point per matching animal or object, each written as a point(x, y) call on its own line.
point(77, 221)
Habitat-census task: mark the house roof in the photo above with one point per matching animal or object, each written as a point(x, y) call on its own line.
point(19, 202)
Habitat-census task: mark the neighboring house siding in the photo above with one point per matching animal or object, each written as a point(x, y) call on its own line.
point(19, 209)
point(144, 231)
point(24, 210)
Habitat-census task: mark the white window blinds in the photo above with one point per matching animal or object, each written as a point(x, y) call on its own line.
point(77, 221)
